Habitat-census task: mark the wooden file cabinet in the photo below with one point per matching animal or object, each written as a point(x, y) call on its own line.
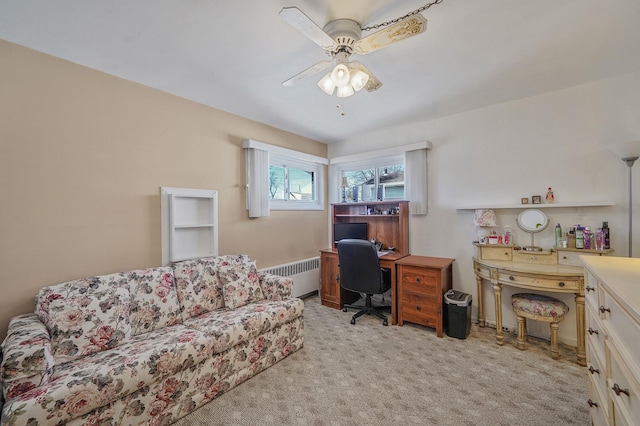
point(422, 282)
point(613, 339)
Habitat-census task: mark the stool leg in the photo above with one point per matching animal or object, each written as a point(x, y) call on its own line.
point(522, 330)
point(555, 352)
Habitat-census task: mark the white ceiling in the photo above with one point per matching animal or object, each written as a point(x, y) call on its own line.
point(234, 55)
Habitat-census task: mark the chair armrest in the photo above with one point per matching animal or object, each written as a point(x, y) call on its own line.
point(27, 358)
point(275, 287)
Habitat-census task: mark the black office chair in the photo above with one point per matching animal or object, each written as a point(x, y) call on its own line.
point(360, 271)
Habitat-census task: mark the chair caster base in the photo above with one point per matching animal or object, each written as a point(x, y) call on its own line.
point(353, 320)
point(385, 322)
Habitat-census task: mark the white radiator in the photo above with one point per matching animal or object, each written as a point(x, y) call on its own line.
point(305, 275)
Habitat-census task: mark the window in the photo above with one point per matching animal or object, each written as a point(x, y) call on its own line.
point(292, 184)
point(384, 182)
point(282, 179)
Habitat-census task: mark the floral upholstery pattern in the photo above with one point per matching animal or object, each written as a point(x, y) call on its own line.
point(154, 300)
point(240, 285)
point(61, 367)
point(85, 316)
point(538, 304)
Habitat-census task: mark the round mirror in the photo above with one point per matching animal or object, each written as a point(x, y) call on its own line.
point(532, 220)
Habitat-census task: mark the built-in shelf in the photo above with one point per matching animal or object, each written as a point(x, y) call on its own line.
point(539, 206)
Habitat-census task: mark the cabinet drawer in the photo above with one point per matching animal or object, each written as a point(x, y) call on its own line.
point(419, 280)
point(495, 253)
point(620, 383)
point(572, 258)
point(571, 285)
point(482, 270)
point(544, 258)
point(419, 309)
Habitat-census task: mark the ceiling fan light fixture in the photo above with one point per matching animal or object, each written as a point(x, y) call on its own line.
point(326, 84)
point(345, 91)
point(340, 75)
point(359, 79)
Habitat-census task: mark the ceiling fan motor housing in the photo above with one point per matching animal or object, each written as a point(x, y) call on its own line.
point(345, 32)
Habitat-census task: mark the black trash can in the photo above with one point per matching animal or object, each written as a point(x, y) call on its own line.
point(457, 314)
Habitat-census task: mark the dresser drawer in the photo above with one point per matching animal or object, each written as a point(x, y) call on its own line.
point(595, 332)
point(544, 258)
point(418, 280)
point(624, 391)
point(572, 258)
point(482, 270)
point(592, 290)
point(419, 309)
point(495, 253)
point(597, 370)
point(624, 330)
point(570, 285)
point(598, 406)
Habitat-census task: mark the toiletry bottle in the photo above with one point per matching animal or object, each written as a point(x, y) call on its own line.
point(586, 233)
point(558, 235)
point(599, 239)
point(579, 237)
point(572, 237)
point(605, 231)
point(508, 236)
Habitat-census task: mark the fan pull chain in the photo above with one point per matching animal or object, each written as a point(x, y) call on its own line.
point(393, 21)
point(341, 108)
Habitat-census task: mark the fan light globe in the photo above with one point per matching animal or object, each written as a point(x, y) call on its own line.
point(340, 75)
point(358, 79)
point(345, 91)
point(326, 84)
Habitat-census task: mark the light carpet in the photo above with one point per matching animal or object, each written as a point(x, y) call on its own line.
point(368, 374)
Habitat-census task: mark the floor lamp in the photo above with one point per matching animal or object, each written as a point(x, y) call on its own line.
point(629, 152)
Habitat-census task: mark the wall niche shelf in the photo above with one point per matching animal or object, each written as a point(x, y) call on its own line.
point(539, 206)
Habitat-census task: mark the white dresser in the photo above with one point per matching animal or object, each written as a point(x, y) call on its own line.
point(612, 292)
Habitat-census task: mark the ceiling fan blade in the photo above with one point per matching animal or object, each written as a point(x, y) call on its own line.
point(373, 83)
point(413, 25)
point(306, 26)
point(312, 70)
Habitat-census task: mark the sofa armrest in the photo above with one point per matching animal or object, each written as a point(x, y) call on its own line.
point(27, 358)
point(275, 287)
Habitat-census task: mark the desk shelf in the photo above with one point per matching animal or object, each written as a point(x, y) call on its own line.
point(576, 204)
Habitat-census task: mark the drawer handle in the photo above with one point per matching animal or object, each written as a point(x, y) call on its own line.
point(592, 331)
point(564, 257)
point(603, 309)
point(561, 283)
point(418, 308)
point(592, 403)
point(618, 390)
point(593, 370)
point(418, 280)
point(589, 289)
point(511, 277)
point(478, 269)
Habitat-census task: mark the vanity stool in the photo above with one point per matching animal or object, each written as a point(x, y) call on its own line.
point(540, 308)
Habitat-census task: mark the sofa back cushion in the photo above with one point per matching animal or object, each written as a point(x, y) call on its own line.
point(240, 285)
point(85, 316)
point(198, 285)
point(154, 299)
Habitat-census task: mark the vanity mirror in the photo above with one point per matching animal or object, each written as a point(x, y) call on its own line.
point(532, 221)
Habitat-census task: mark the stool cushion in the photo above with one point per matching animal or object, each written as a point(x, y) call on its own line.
point(538, 304)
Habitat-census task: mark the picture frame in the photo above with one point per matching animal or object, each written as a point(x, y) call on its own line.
point(536, 199)
point(524, 200)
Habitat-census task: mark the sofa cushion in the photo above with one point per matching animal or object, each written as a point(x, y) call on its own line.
point(197, 283)
point(240, 285)
point(230, 327)
point(85, 316)
point(154, 300)
point(82, 385)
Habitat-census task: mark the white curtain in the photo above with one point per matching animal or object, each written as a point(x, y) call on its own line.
point(257, 162)
point(415, 163)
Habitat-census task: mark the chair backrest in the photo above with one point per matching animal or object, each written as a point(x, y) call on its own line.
point(359, 267)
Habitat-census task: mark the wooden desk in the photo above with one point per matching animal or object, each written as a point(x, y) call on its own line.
point(334, 296)
point(422, 282)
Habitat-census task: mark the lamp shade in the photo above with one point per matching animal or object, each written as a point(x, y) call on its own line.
point(625, 149)
point(358, 79)
point(484, 217)
point(340, 75)
point(326, 84)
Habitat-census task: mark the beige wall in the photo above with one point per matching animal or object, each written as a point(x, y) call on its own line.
point(82, 157)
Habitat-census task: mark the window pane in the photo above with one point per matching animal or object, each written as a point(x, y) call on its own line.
point(301, 185)
point(392, 179)
point(276, 182)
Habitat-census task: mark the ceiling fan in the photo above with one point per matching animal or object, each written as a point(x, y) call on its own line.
point(340, 39)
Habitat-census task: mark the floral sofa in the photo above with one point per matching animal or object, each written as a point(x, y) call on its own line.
point(146, 346)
